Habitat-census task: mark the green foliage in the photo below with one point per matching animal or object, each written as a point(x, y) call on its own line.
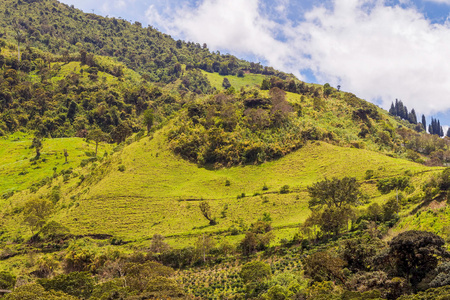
point(152, 280)
point(98, 136)
point(148, 119)
point(389, 184)
point(37, 145)
point(36, 212)
point(226, 83)
point(440, 293)
point(443, 275)
point(110, 290)
point(284, 189)
point(445, 179)
point(78, 284)
point(369, 174)
point(334, 193)
point(323, 266)
point(78, 259)
point(257, 238)
point(388, 287)
point(331, 220)
point(255, 271)
point(327, 89)
point(54, 231)
point(7, 280)
point(415, 253)
point(358, 253)
point(37, 292)
point(206, 212)
point(226, 131)
point(390, 209)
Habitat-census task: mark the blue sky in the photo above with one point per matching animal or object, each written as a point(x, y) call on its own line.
point(379, 50)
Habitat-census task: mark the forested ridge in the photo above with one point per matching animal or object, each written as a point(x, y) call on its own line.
point(60, 29)
point(135, 166)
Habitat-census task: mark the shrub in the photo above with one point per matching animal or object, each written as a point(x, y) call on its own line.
point(7, 280)
point(369, 174)
point(54, 231)
point(36, 291)
point(284, 189)
point(255, 271)
point(78, 284)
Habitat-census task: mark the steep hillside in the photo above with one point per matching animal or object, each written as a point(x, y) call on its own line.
point(134, 166)
point(60, 29)
point(162, 191)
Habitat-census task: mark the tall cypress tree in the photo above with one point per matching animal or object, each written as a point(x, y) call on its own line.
point(412, 118)
point(424, 122)
point(392, 109)
point(439, 128)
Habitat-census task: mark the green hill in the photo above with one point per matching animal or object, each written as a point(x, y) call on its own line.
point(125, 153)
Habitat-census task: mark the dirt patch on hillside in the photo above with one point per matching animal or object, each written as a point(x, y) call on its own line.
point(435, 205)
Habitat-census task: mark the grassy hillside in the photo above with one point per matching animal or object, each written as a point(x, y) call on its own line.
point(162, 191)
point(248, 80)
point(19, 171)
point(211, 181)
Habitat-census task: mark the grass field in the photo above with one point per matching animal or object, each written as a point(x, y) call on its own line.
point(18, 171)
point(249, 80)
point(157, 192)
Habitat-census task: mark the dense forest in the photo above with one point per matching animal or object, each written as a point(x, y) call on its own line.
point(217, 178)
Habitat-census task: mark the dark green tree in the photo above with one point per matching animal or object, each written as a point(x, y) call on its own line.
point(98, 136)
point(226, 83)
point(323, 266)
point(37, 145)
point(36, 212)
point(327, 90)
point(255, 271)
point(334, 193)
point(265, 85)
point(148, 119)
point(415, 253)
point(206, 212)
point(78, 284)
point(121, 132)
point(7, 280)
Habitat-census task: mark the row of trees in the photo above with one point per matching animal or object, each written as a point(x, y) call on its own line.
point(400, 110)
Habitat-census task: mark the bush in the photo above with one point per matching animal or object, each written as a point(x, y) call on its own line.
point(78, 284)
point(387, 185)
point(7, 280)
point(54, 231)
point(255, 271)
point(284, 189)
point(36, 291)
point(369, 174)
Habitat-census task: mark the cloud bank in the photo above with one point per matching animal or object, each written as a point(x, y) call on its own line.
point(377, 51)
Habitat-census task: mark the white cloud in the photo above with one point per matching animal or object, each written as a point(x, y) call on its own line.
point(371, 49)
point(439, 1)
point(236, 26)
point(379, 53)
